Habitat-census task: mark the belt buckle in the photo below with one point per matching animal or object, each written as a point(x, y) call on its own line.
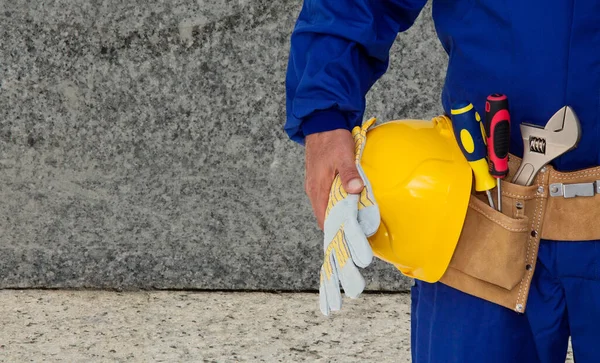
point(575, 190)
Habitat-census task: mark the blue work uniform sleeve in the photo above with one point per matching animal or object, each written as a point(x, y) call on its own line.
point(339, 49)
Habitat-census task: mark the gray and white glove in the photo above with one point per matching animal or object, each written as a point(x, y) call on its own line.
point(349, 220)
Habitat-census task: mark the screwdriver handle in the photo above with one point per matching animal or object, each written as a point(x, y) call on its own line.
point(497, 129)
point(469, 132)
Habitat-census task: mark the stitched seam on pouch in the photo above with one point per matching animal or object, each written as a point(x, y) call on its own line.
point(561, 176)
point(527, 279)
point(526, 197)
point(511, 229)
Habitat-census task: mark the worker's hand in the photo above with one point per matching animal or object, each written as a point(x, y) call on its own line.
point(327, 154)
point(350, 218)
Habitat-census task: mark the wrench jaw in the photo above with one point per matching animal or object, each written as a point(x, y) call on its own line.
point(542, 145)
point(565, 125)
point(557, 121)
point(572, 128)
point(566, 135)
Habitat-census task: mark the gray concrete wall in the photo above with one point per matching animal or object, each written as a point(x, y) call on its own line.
point(141, 144)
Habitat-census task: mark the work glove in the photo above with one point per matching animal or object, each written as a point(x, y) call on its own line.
point(349, 220)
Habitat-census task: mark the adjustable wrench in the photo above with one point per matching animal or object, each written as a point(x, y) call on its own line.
point(541, 145)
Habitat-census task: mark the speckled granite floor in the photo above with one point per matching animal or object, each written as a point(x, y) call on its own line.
point(97, 326)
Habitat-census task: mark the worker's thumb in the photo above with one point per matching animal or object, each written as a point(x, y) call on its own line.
point(350, 177)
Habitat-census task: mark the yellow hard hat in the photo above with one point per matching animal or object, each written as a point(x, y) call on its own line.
point(422, 184)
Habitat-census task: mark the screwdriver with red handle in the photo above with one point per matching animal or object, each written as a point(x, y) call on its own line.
point(497, 129)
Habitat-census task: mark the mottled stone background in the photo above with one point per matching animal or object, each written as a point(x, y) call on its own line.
point(141, 144)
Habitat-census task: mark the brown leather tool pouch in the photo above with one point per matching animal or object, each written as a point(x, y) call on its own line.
point(496, 253)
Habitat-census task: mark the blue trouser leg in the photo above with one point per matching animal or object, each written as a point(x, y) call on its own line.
point(577, 267)
point(547, 309)
point(450, 326)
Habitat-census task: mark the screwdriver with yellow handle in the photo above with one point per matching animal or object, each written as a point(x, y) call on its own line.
point(469, 132)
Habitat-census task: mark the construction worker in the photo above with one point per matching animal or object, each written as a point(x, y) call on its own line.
point(543, 55)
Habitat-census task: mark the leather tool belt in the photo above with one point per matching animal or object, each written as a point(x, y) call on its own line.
point(497, 252)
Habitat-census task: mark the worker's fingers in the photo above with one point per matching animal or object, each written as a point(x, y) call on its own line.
point(317, 190)
point(319, 176)
point(325, 153)
point(346, 167)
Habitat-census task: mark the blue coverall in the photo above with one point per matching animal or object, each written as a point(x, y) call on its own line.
point(543, 54)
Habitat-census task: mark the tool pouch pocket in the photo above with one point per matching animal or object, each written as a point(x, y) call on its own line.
point(492, 246)
point(495, 255)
